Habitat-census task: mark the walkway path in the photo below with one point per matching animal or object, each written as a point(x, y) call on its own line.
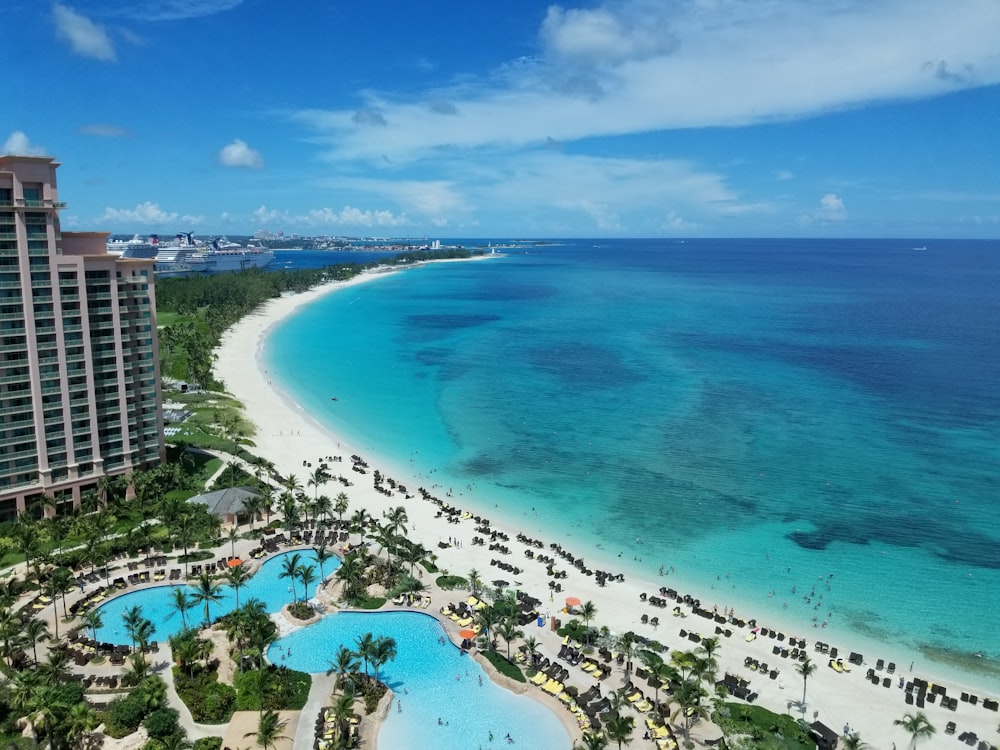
point(194, 730)
point(319, 692)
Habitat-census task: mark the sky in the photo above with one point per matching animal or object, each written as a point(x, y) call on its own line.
point(622, 118)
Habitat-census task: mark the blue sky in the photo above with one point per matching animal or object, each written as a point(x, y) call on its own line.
point(864, 118)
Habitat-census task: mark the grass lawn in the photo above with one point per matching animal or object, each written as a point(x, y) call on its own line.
point(766, 729)
point(503, 666)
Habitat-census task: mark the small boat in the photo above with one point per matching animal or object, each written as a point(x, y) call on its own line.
point(334, 398)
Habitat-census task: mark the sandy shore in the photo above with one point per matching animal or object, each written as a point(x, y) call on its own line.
point(835, 699)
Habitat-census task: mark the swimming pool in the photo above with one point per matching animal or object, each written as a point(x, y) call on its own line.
point(433, 680)
point(157, 602)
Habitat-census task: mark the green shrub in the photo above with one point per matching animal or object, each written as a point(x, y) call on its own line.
point(301, 610)
point(284, 690)
point(124, 715)
point(207, 743)
point(210, 701)
point(447, 583)
point(161, 723)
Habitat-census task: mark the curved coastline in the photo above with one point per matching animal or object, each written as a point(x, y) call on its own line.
point(618, 604)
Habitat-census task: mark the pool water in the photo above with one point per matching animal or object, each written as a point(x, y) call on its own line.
point(157, 602)
point(432, 679)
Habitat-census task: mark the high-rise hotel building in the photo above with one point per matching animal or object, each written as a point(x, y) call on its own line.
point(79, 364)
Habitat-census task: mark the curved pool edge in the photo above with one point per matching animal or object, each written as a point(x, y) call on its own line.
point(570, 727)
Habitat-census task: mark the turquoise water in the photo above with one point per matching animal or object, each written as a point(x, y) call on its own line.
point(432, 680)
point(760, 415)
point(157, 602)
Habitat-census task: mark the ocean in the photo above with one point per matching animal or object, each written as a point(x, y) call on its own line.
point(808, 427)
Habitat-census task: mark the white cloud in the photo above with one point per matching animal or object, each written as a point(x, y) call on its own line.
point(783, 175)
point(147, 213)
point(605, 35)
point(637, 66)
point(347, 217)
point(166, 10)
point(19, 145)
point(239, 154)
point(85, 37)
point(832, 203)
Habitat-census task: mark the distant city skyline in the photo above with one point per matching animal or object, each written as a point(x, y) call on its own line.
point(623, 118)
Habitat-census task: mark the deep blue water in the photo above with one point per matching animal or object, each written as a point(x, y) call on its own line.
point(756, 413)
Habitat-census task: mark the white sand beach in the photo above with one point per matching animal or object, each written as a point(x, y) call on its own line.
point(836, 699)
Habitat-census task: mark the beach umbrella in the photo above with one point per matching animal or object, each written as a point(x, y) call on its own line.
point(467, 633)
point(572, 601)
point(235, 562)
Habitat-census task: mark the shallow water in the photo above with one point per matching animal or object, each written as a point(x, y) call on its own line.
point(157, 606)
point(433, 680)
point(757, 414)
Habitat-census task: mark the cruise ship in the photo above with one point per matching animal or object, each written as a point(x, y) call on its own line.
point(185, 255)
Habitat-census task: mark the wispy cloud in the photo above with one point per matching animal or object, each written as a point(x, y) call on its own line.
point(104, 131)
point(167, 10)
point(19, 145)
point(147, 213)
point(239, 155)
point(637, 66)
point(346, 218)
point(85, 37)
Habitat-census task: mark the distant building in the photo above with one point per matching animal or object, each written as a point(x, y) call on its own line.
point(79, 362)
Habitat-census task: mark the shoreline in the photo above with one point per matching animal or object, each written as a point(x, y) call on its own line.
point(619, 606)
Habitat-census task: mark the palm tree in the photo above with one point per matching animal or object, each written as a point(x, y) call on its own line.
point(340, 506)
point(531, 644)
point(80, 723)
point(365, 644)
point(35, 631)
point(233, 536)
point(237, 577)
point(317, 479)
point(660, 672)
point(853, 741)
point(290, 570)
point(383, 651)
point(307, 575)
point(342, 711)
point(805, 668)
point(94, 621)
point(588, 610)
point(592, 741)
point(132, 617)
point(252, 505)
point(351, 572)
point(688, 699)
point(180, 601)
point(344, 663)
point(508, 630)
point(206, 592)
point(269, 728)
point(475, 582)
point(916, 725)
point(323, 555)
point(619, 729)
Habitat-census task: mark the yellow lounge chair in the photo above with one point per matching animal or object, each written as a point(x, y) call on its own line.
point(835, 667)
point(539, 678)
point(553, 686)
point(643, 706)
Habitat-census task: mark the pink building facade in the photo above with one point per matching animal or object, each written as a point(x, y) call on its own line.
point(80, 391)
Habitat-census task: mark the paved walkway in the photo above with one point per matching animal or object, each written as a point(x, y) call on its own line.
point(319, 692)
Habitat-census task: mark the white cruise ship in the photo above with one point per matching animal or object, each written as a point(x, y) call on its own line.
point(186, 255)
